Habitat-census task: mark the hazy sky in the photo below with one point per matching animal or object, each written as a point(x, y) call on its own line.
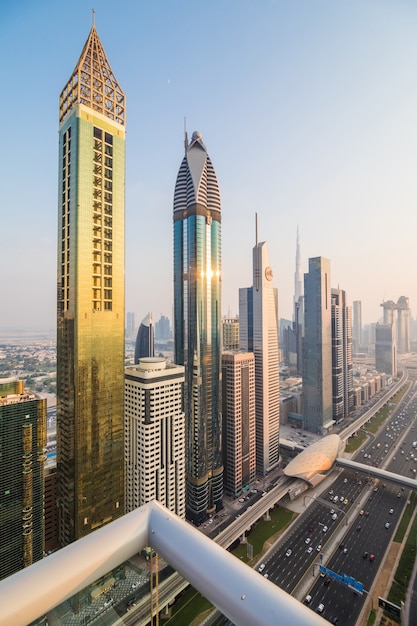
point(308, 110)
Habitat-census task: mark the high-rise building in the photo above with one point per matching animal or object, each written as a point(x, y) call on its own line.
point(386, 349)
point(162, 329)
point(357, 326)
point(145, 341)
point(258, 316)
point(239, 426)
point(90, 323)
point(22, 458)
point(298, 274)
point(317, 347)
point(197, 323)
point(342, 367)
point(403, 325)
point(130, 325)
point(155, 435)
point(230, 333)
point(293, 333)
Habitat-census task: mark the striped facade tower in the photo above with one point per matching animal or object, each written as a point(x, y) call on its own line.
point(197, 323)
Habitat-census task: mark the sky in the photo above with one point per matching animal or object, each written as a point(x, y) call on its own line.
point(308, 110)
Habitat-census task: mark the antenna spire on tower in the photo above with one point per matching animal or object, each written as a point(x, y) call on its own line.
point(94, 16)
point(185, 135)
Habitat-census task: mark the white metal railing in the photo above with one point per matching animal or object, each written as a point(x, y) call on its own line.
point(239, 592)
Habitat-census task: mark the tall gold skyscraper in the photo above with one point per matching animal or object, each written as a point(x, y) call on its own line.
point(90, 324)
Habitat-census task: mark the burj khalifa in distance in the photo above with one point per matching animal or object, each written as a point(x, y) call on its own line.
point(197, 322)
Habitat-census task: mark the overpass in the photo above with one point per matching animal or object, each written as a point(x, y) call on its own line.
point(403, 481)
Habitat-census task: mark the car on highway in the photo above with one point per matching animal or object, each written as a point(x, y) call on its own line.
point(391, 511)
point(387, 524)
point(288, 552)
point(261, 567)
point(372, 557)
point(310, 550)
point(318, 547)
point(320, 608)
point(307, 541)
point(325, 529)
point(307, 599)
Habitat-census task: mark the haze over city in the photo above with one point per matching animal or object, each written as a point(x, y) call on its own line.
point(307, 110)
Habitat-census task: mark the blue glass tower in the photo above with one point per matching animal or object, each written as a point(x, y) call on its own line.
point(197, 322)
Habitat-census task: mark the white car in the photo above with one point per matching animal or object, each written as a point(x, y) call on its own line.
point(325, 529)
point(320, 608)
point(318, 547)
point(288, 552)
point(307, 541)
point(261, 567)
point(310, 550)
point(387, 524)
point(391, 511)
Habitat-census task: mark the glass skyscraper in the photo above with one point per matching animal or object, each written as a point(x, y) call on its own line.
point(90, 294)
point(317, 347)
point(22, 459)
point(197, 323)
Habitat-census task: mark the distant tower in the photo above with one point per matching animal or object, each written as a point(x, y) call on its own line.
point(357, 326)
point(317, 347)
point(155, 435)
point(239, 426)
point(91, 316)
point(197, 323)
point(22, 458)
point(145, 339)
point(342, 367)
point(130, 325)
point(403, 325)
point(386, 349)
point(230, 327)
point(258, 317)
point(298, 274)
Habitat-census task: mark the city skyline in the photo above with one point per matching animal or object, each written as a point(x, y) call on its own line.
point(309, 114)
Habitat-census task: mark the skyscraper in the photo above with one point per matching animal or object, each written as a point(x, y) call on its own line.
point(342, 367)
point(230, 326)
point(357, 326)
point(317, 347)
point(22, 458)
point(145, 340)
point(258, 317)
point(197, 323)
point(239, 426)
point(386, 349)
point(90, 318)
point(155, 435)
point(403, 325)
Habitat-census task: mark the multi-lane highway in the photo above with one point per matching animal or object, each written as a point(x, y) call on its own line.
point(372, 509)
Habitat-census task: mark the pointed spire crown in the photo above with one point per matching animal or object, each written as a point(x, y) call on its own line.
point(93, 84)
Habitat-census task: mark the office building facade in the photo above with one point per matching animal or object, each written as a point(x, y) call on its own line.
point(317, 347)
point(230, 333)
point(239, 425)
point(357, 326)
point(22, 459)
point(386, 349)
point(90, 316)
point(342, 366)
point(258, 321)
point(155, 435)
point(197, 324)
